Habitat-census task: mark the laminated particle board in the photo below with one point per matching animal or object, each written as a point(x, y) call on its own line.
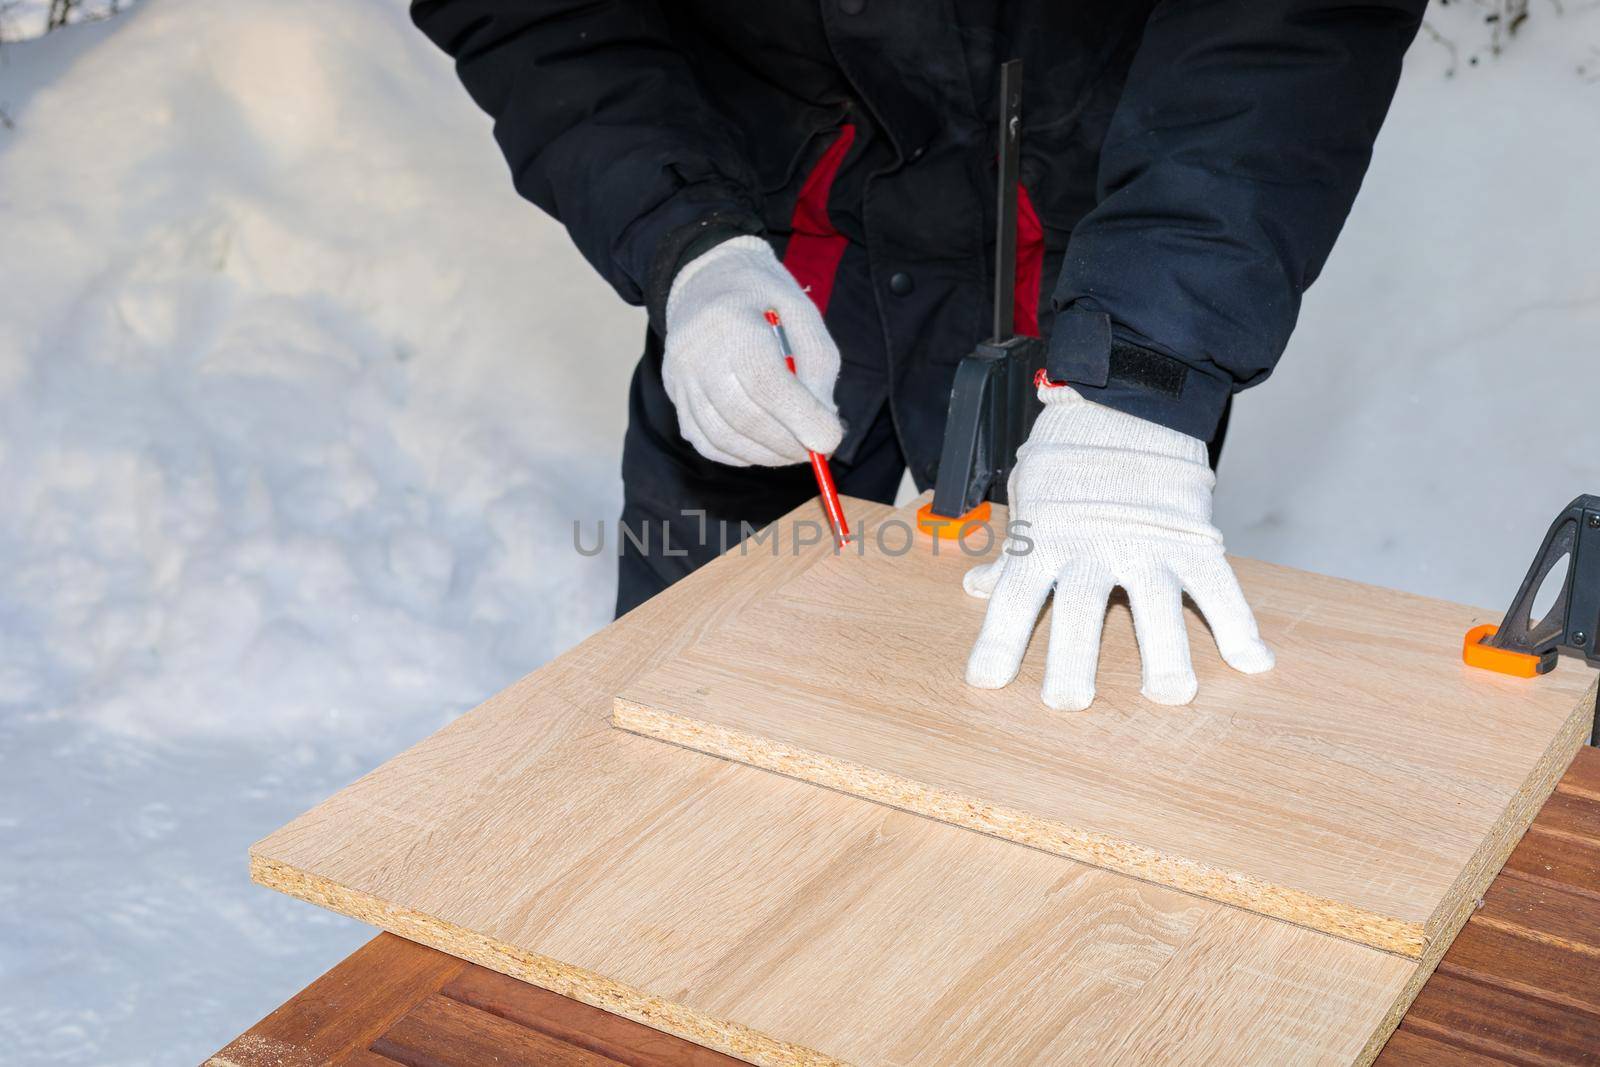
point(1369, 786)
point(785, 924)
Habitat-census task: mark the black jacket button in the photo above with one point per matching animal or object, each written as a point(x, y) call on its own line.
point(901, 283)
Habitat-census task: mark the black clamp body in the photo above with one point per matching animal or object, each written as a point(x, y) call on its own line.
point(994, 399)
point(992, 408)
point(1573, 622)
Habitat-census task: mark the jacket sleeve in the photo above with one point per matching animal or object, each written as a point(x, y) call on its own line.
point(1241, 137)
point(604, 127)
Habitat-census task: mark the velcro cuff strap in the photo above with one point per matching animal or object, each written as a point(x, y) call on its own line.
point(1145, 369)
point(1080, 348)
point(1083, 352)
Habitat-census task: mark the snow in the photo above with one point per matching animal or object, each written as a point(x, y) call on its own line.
point(293, 442)
point(24, 20)
point(299, 404)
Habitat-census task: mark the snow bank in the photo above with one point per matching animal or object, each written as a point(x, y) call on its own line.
point(298, 403)
point(282, 383)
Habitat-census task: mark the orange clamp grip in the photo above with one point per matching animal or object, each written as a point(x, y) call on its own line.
point(1474, 653)
point(947, 528)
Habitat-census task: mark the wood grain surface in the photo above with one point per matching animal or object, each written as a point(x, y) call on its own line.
point(336, 1018)
point(783, 923)
point(394, 1002)
point(1521, 984)
point(1530, 1002)
point(1369, 786)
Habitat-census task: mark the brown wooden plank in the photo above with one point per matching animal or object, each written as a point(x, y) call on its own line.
point(578, 1024)
point(1584, 774)
point(367, 1058)
point(1571, 813)
point(1495, 1021)
point(1542, 912)
point(342, 1012)
point(1575, 813)
point(1408, 1048)
point(1559, 860)
point(1525, 966)
point(441, 1032)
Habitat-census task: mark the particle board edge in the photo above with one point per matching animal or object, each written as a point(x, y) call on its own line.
point(1436, 948)
point(1372, 929)
point(1514, 821)
point(577, 983)
point(1474, 882)
point(1402, 1003)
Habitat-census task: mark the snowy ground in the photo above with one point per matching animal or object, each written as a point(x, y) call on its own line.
point(24, 20)
point(298, 402)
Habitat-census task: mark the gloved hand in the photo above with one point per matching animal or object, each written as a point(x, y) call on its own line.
point(737, 402)
point(1111, 500)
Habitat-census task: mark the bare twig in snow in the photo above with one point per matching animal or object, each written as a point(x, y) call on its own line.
point(1447, 44)
point(1475, 28)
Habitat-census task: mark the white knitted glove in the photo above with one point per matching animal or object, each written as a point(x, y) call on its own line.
point(1111, 500)
point(737, 402)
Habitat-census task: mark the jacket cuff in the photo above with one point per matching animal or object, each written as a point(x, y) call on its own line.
point(683, 244)
point(1111, 368)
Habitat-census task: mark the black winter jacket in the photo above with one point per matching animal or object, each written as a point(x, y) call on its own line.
point(1191, 163)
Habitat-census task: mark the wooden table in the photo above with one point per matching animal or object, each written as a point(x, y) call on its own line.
point(1520, 985)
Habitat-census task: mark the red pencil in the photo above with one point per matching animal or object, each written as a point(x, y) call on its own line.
point(819, 462)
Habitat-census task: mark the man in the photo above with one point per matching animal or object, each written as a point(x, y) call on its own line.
point(1187, 165)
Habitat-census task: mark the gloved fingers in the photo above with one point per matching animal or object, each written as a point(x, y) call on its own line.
point(1215, 589)
point(1156, 598)
point(979, 581)
point(1014, 605)
point(1077, 617)
point(690, 428)
point(726, 439)
point(747, 418)
point(812, 421)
